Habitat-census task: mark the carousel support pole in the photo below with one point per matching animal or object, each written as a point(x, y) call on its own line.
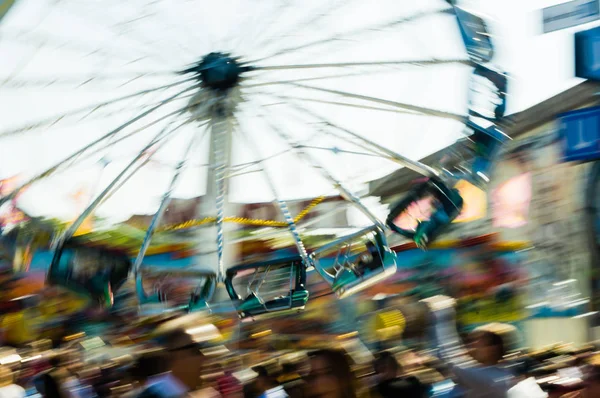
point(213, 255)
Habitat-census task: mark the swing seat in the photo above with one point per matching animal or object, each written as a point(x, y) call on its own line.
point(253, 306)
point(95, 273)
point(272, 287)
point(447, 206)
point(157, 302)
point(355, 262)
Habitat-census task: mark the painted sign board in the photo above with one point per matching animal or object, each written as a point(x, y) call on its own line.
point(569, 14)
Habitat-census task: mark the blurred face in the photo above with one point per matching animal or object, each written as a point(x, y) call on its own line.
point(186, 365)
point(482, 351)
point(324, 382)
point(384, 372)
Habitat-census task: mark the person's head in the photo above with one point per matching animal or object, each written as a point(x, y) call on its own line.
point(48, 385)
point(289, 368)
point(55, 361)
point(185, 359)
point(487, 347)
point(151, 363)
point(331, 374)
point(386, 366)
point(264, 381)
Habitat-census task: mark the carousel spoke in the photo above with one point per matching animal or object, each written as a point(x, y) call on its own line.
point(422, 62)
point(370, 145)
point(338, 150)
point(415, 108)
point(123, 34)
point(30, 56)
point(135, 106)
point(242, 166)
point(114, 142)
point(68, 45)
point(283, 207)
point(181, 29)
point(77, 82)
point(305, 79)
point(147, 160)
point(338, 103)
point(90, 109)
point(260, 29)
point(166, 199)
point(371, 71)
point(76, 154)
point(161, 136)
point(310, 21)
point(305, 156)
point(356, 32)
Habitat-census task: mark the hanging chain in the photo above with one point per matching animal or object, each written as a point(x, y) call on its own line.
point(220, 139)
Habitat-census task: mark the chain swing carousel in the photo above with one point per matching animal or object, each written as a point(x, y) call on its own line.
point(269, 103)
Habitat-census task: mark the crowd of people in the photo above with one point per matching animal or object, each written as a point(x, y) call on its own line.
point(177, 367)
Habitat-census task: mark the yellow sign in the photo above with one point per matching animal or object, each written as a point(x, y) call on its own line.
point(489, 310)
point(388, 324)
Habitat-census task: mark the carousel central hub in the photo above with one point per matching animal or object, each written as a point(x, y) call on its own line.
point(218, 71)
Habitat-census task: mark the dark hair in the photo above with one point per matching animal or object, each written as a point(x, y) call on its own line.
point(494, 340)
point(339, 366)
point(48, 385)
point(386, 360)
point(264, 376)
point(289, 367)
point(55, 361)
point(151, 364)
point(261, 371)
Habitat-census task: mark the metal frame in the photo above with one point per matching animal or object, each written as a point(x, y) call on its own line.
point(297, 285)
point(435, 187)
point(58, 275)
point(387, 257)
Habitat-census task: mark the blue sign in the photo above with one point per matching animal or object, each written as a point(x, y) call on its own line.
point(475, 36)
point(587, 54)
point(580, 134)
point(567, 15)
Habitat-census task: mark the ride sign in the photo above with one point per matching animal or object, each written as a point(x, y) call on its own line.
point(587, 54)
point(570, 14)
point(580, 134)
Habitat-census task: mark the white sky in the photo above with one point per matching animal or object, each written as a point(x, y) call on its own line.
point(540, 66)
